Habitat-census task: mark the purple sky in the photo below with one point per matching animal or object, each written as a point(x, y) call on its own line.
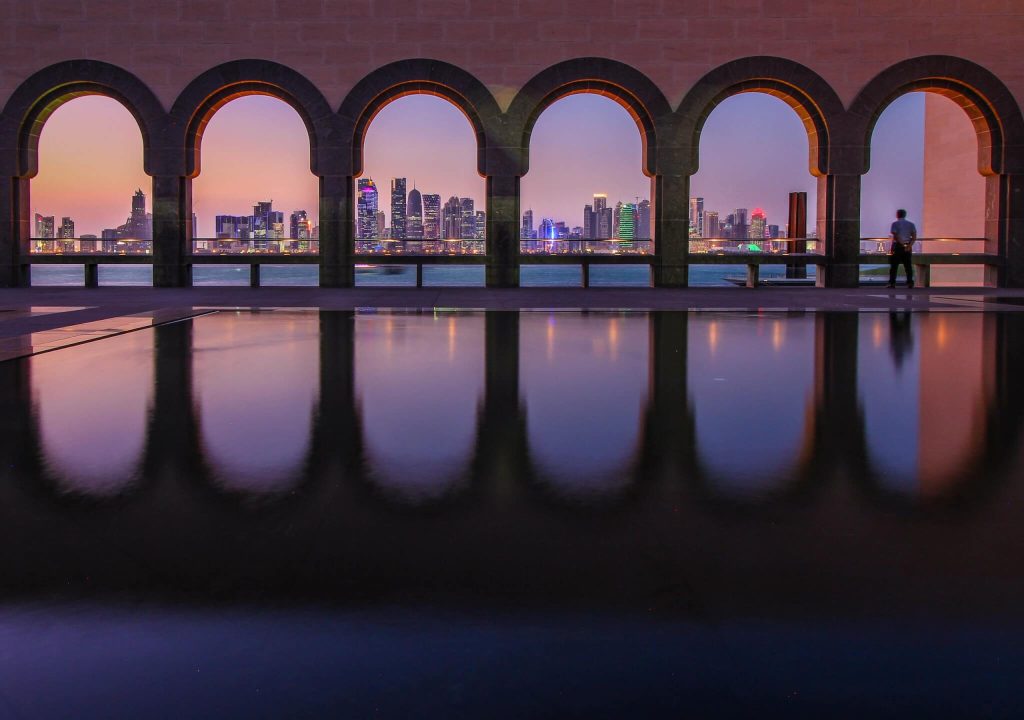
point(753, 153)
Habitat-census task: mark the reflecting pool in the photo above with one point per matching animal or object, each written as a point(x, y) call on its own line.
point(676, 501)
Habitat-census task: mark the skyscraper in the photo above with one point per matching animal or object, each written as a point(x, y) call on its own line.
point(468, 218)
point(758, 224)
point(44, 227)
point(414, 216)
point(381, 224)
point(299, 226)
point(265, 222)
point(643, 220)
point(603, 219)
point(711, 225)
point(398, 198)
point(233, 227)
point(589, 226)
point(451, 219)
point(739, 224)
point(431, 217)
point(481, 225)
point(366, 209)
point(527, 230)
point(67, 228)
point(696, 216)
point(627, 226)
point(140, 224)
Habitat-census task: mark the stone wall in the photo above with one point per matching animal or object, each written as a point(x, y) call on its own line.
point(334, 43)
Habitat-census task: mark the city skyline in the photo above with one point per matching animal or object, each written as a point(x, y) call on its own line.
point(97, 172)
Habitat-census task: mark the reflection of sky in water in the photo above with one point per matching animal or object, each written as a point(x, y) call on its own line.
point(585, 380)
point(256, 381)
point(922, 381)
point(92, 403)
point(750, 383)
point(420, 381)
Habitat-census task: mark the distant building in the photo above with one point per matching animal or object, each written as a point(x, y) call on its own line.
point(299, 226)
point(233, 227)
point(366, 209)
point(398, 198)
point(712, 229)
point(451, 219)
point(431, 217)
point(67, 228)
point(696, 215)
point(481, 225)
point(414, 216)
point(758, 225)
point(643, 220)
point(526, 231)
point(627, 223)
point(468, 218)
point(43, 227)
point(381, 224)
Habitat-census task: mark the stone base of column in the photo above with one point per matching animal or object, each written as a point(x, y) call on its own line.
point(502, 276)
point(670, 276)
point(15, 276)
point(337, 276)
point(840, 275)
point(171, 276)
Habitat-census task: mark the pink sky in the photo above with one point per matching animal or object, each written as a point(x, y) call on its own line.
point(753, 153)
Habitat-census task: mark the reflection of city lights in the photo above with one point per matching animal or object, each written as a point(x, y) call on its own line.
point(613, 338)
point(713, 337)
point(777, 335)
point(551, 337)
point(451, 339)
point(389, 329)
point(876, 333)
point(942, 334)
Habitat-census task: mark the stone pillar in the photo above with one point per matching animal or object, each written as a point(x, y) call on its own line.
point(839, 228)
point(172, 231)
point(337, 231)
point(502, 237)
point(1004, 229)
point(671, 230)
point(15, 232)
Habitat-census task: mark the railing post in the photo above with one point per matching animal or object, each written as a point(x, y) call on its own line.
point(585, 273)
point(502, 236)
point(1004, 229)
point(839, 227)
point(172, 231)
point(254, 275)
point(15, 232)
point(671, 230)
point(337, 231)
point(92, 275)
point(419, 274)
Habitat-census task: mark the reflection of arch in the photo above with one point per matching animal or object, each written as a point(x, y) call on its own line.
point(627, 86)
point(987, 102)
point(36, 99)
point(813, 99)
point(201, 99)
point(411, 77)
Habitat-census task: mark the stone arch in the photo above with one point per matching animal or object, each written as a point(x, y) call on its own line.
point(811, 97)
point(626, 85)
point(216, 87)
point(418, 77)
point(39, 96)
point(990, 106)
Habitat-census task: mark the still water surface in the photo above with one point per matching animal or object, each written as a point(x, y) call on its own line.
point(800, 484)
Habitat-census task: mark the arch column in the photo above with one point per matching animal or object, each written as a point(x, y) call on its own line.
point(15, 231)
point(838, 226)
point(671, 229)
point(502, 236)
point(172, 231)
point(337, 231)
point(1004, 229)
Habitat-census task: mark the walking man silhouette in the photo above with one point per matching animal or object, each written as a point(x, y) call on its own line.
point(903, 236)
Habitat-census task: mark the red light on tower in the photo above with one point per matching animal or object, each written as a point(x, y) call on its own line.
point(758, 212)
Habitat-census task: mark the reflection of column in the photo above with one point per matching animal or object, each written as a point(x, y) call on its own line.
point(838, 428)
point(670, 440)
point(172, 439)
point(502, 235)
point(501, 453)
point(1004, 229)
point(337, 231)
point(172, 231)
point(19, 427)
point(671, 230)
point(336, 425)
point(839, 227)
point(15, 231)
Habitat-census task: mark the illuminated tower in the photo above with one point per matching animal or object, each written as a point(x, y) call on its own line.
point(398, 208)
point(527, 230)
point(627, 224)
point(711, 226)
point(643, 220)
point(431, 217)
point(44, 226)
point(481, 225)
point(696, 216)
point(67, 228)
point(414, 216)
point(758, 224)
point(366, 209)
point(468, 218)
point(451, 219)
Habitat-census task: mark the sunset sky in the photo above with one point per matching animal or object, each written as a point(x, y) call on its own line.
point(753, 153)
